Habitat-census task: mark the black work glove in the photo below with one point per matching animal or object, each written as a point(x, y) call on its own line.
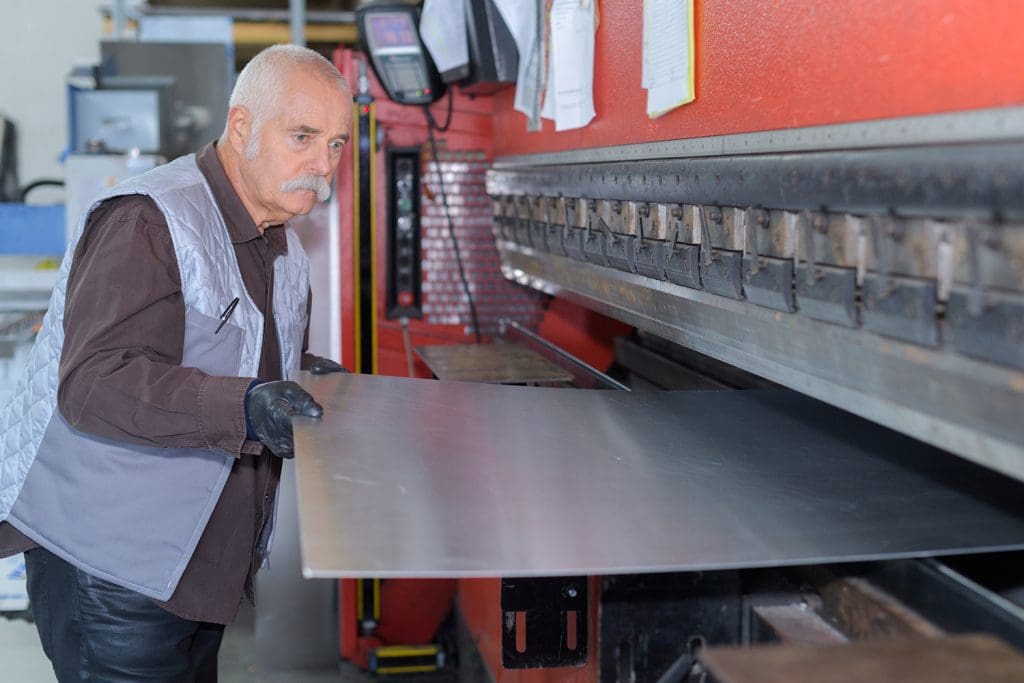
point(269, 409)
point(324, 366)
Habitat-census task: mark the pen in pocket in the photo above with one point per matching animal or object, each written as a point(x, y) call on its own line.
point(226, 314)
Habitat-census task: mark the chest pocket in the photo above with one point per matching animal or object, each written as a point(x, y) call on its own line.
point(213, 352)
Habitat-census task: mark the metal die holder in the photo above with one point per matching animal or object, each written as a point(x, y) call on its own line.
point(555, 227)
point(995, 333)
point(619, 248)
point(576, 220)
point(628, 234)
point(827, 293)
point(524, 220)
point(553, 209)
point(770, 284)
point(555, 234)
point(681, 252)
point(572, 243)
point(506, 218)
point(539, 223)
point(544, 622)
point(621, 252)
point(595, 247)
point(767, 282)
point(650, 258)
point(721, 270)
point(682, 266)
point(723, 273)
point(900, 307)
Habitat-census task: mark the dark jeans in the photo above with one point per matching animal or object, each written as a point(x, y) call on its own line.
point(93, 630)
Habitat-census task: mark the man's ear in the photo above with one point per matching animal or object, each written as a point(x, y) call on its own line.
point(239, 128)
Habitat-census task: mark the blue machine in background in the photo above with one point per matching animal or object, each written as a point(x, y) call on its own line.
point(32, 230)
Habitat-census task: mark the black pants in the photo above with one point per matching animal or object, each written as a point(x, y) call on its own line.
point(93, 630)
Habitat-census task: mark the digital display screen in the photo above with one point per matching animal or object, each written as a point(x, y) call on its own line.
point(391, 30)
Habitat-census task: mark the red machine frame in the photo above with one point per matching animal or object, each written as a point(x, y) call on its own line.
point(760, 66)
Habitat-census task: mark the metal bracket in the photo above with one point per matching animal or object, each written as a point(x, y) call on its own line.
point(900, 307)
point(829, 295)
point(724, 274)
point(881, 233)
point(572, 243)
point(995, 335)
point(650, 258)
point(771, 284)
point(767, 281)
point(508, 218)
point(648, 254)
point(544, 622)
point(553, 239)
point(572, 232)
point(523, 220)
point(539, 224)
point(707, 255)
point(976, 238)
point(808, 223)
point(753, 218)
point(721, 270)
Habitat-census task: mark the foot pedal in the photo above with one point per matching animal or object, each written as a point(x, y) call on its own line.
point(397, 660)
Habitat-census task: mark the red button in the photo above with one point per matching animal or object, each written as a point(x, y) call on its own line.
point(405, 298)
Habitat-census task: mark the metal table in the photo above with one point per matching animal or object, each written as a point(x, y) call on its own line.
point(492, 363)
point(426, 478)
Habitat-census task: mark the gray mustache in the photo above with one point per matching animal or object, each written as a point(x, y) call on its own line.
point(315, 183)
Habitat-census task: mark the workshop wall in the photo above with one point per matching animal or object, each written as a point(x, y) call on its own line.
point(39, 44)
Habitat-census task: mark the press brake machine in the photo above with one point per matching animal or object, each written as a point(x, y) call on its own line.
point(840, 212)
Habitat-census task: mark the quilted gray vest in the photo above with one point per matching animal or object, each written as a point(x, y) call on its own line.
point(133, 514)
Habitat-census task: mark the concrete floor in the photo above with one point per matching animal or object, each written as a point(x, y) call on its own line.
point(23, 658)
point(24, 661)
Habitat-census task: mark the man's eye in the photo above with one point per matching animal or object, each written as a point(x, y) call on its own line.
point(301, 137)
point(337, 145)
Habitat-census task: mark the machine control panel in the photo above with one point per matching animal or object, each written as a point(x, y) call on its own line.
point(390, 36)
point(404, 293)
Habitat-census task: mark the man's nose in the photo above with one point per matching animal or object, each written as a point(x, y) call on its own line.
point(320, 161)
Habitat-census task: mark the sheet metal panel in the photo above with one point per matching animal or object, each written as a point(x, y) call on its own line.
point(491, 363)
point(428, 478)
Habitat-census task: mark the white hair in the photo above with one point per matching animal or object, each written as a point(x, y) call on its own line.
point(260, 84)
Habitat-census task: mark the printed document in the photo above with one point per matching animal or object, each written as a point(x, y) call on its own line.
point(570, 87)
point(668, 55)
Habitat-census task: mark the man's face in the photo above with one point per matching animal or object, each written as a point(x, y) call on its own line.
point(299, 148)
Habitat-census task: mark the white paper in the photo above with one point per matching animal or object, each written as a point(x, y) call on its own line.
point(522, 17)
point(443, 30)
point(571, 64)
point(667, 71)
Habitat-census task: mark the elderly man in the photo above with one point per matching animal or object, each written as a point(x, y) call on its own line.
point(137, 460)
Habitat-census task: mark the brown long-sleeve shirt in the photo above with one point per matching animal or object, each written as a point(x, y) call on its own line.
point(121, 375)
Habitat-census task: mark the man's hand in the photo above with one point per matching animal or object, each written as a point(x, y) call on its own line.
point(270, 407)
point(324, 366)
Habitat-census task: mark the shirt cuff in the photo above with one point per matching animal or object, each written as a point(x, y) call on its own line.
point(222, 413)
